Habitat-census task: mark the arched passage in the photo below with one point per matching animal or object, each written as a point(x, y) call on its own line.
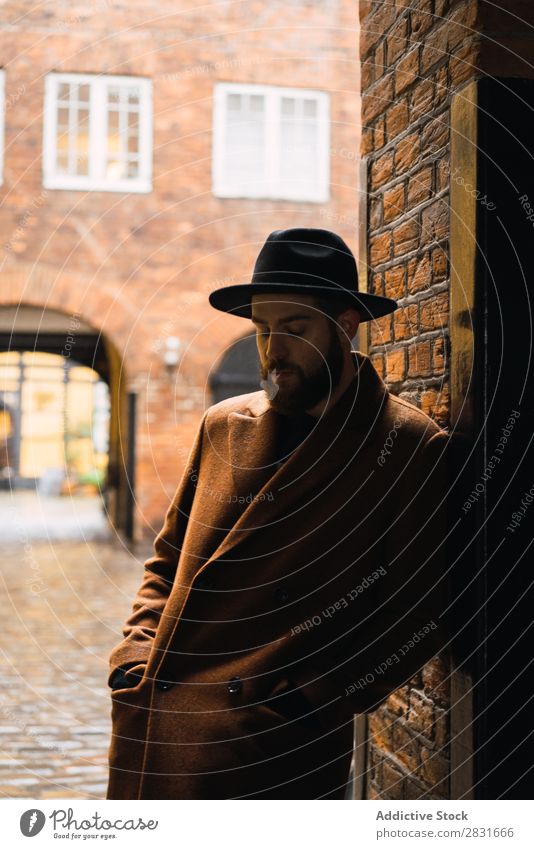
point(64, 401)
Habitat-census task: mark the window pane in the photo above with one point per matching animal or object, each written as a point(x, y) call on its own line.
point(62, 119)
point(298, 169)
point(62, 163)
point(115, 169)
point(119, 150)
point(233, 102)
point(114, 94)
point(288, 106)
point(63, 91)
point(113, 120)
point(83, 94)
point(82, 164)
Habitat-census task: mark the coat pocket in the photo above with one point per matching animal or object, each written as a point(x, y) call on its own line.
point(129, 720)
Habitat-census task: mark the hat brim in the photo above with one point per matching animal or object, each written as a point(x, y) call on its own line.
point(237, 299)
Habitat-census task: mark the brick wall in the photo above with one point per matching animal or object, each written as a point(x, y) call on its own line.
point(139, 267)
point(414, 56)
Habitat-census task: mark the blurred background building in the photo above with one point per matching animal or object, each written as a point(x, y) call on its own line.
point(147, 153)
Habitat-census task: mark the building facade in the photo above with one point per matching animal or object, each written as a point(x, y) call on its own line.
point(146, 156)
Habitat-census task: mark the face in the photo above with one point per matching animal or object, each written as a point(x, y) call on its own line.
point(300, 345)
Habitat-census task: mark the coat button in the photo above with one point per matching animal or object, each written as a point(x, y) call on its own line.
point(234, 685)
point(164, 685)
point(281, 595)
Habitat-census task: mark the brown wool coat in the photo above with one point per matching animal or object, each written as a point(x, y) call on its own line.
point(322, 582)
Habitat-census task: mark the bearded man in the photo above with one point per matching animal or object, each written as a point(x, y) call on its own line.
point(300, 574)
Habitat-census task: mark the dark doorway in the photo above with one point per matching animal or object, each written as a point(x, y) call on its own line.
point(501, 398)
point(238, 371)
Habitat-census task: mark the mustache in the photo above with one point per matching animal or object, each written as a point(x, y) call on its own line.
point(279, 367)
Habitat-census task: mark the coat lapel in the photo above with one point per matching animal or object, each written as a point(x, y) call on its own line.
point(334, 441)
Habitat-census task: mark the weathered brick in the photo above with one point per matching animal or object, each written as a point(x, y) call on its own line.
point(434, 312)
point(406, 749)
point(439, 356)
point(442, 174)
point(381, 330)
point(397, 40)
point(405, 322)
point(420, 359)
point(465, 62)
point(419, 186)
point(374, 26)
point(439, 265)
point(421, 714)
point(421, 98)
point(381, 170)
point(421, 20)
point(377, 98)
point(406, 153)
point(397, 119)
point(434, 48)
point(367, 73)
point(407, 71)
point(436, 404)
point(395, 282)
point(380, 60)
point(380, 133)
point(375, 213)
point(436, 771)
point(379, 729)
point(435, 222)
point(377, 285)
point(441, 86)
point(435, 134)
point(366, 144)
point(405, 237)
point(378, 363)
point(380, 248)
point(392, 781)
point(396, 365)
point(393, 202)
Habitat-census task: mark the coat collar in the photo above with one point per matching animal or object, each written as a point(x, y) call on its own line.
point(334, 441)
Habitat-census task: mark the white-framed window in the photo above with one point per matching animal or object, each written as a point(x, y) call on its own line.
point(97, 132)
point(271, 142)
point(2, 121)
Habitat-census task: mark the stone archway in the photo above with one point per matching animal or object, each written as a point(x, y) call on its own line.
point(58, 313)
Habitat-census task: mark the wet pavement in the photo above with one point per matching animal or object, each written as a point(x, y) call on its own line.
point(63, 603)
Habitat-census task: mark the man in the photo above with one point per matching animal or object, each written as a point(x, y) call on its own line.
point(299, 576)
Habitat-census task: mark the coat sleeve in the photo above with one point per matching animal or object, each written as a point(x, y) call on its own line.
point(139, 629)
point(407, 626)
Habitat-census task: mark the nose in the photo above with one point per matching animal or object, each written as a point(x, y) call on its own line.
point(276, 346)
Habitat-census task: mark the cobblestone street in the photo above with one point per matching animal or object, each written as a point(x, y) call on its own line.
point(63, 604)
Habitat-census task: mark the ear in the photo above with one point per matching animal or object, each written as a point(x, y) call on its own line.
point(348, 322)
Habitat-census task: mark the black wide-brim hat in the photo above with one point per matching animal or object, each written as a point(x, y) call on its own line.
point(305, 260)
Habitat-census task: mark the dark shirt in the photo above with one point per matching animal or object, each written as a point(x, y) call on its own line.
point(292, 431)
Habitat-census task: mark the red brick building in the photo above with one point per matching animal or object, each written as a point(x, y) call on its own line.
point(148, 152)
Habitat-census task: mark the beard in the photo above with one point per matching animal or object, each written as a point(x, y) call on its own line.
point(304, 390)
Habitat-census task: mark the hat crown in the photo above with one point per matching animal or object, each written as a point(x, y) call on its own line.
point(309, 261)
point(319, 255)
